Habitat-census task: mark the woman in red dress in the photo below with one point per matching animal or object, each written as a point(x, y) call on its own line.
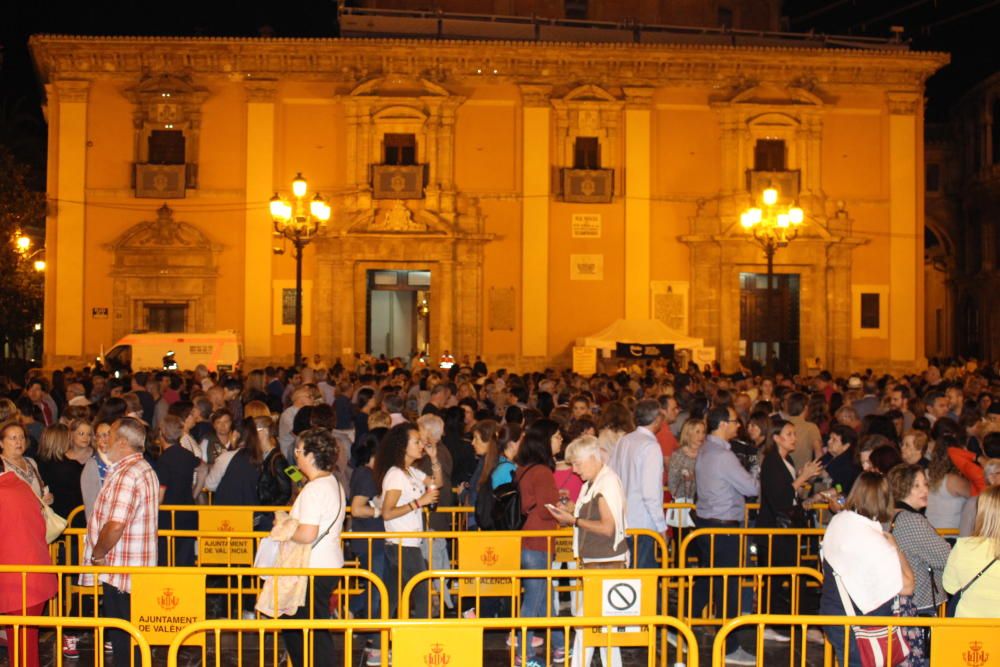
point(23, 528)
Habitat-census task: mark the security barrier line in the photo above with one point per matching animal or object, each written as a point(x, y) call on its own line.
point(436, 641)
point(60, 624)
point(954, 641)
point(164, 588)
point(689, 549)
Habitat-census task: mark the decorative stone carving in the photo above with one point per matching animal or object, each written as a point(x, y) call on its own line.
point(168, 101)
point(545, 63)
point(903, 103)
point(534, 95)
point(72, 91)
point(163, 260)
point(590, 111)
point(398, 219)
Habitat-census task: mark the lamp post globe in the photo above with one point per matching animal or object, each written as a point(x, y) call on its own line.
point(299, 221)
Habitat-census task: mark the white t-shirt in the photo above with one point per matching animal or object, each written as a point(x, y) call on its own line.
point(321, 503)
point(411, 486)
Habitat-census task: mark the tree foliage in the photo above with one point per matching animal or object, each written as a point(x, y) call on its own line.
point(21, 287)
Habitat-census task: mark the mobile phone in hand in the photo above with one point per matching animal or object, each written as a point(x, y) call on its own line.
point(294, 474)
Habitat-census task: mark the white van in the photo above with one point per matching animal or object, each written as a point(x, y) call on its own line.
point(220, 351)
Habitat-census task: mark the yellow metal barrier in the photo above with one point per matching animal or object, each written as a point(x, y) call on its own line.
point(756, 582)
point(185, 592)
point(677, 534)
point(455, 642)
point(468, 550)
point(98, 625)
point(764, 538)
point(953, 641)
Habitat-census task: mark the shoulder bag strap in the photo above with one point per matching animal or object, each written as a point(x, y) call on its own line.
point(335, 517)
point(973, 580)
point(845, 598)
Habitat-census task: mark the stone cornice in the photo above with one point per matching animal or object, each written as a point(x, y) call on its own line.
point(351, 60)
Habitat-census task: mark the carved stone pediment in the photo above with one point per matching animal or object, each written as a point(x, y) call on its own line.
point(589, 93)
point(398, 218)
point(796, 94)
point(399, 86)
point(164, 233)
point(166, 98)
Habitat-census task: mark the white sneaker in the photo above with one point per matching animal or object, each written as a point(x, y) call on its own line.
point(772, 635)
point(741, 657)
point(249, 616)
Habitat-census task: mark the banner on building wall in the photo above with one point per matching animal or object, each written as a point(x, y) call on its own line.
point(644, 350)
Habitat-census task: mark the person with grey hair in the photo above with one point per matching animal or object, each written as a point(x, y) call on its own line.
point(431, 430)
point(638, 463)
point(598, 522)
point(122, 530)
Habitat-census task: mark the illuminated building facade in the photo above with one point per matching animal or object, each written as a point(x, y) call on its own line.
point(489, 196)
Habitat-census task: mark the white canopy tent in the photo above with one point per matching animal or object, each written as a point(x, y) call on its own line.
point(649, 332)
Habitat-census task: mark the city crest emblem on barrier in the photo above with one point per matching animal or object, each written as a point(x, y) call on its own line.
point(489, 557)
point(226, 526)
point(975, 656)
point(437, 656)
point(168, 600)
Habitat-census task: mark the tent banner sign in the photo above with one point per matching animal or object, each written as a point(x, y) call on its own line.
point(644, 350)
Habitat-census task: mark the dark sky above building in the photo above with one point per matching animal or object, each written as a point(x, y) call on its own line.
point(966, 28)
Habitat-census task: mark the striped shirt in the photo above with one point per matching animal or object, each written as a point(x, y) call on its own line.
point(130, 496)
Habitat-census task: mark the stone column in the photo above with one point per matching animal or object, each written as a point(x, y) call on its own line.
point(638, 142)
point(257, 244)
point(69, 220)
point(535, 190)
point(447, 311)
point(905, 218)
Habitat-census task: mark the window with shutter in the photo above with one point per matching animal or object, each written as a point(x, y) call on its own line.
point(166, 147)
point(586, 153)
point(400, 149)
point(769, 155)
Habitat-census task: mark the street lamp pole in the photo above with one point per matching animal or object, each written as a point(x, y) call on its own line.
point(773, 227)
point(298, 222)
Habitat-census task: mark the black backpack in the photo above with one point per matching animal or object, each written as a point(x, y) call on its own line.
point(499, 509)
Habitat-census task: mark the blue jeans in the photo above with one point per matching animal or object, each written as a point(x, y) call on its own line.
point(643, 549)
point(536, 596)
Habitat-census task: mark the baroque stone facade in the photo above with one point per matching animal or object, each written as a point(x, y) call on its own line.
point(491, 125)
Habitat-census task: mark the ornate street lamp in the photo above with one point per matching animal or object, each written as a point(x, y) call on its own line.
point(298, 221)
point(23, 243)
point(773, 227)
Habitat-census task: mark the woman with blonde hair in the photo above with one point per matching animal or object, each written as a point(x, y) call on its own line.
point(680, 473)
point(971, 572)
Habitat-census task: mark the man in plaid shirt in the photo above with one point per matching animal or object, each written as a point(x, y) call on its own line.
point(122, 530)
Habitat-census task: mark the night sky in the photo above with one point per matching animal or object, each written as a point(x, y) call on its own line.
point(966, 28)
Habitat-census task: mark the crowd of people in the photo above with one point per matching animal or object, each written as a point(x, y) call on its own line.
point(894, 457)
